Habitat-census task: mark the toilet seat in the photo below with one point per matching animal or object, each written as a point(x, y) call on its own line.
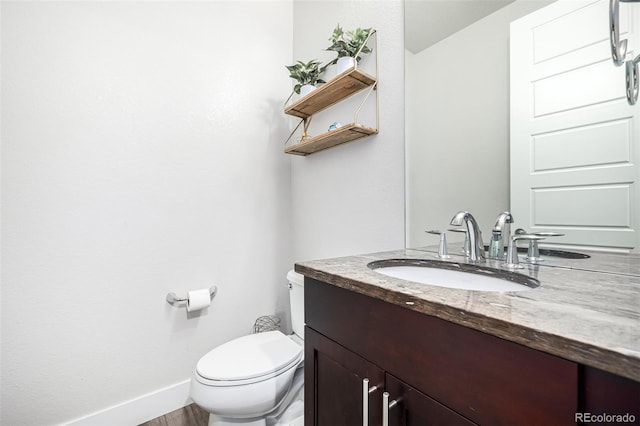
point(249, 359)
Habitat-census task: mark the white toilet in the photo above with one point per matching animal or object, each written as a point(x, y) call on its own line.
point(256, 379)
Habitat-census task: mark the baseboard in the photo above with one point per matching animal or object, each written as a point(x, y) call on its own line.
point(141, 409)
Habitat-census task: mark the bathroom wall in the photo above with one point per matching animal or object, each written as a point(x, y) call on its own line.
point(141, 154)
point(350, 199)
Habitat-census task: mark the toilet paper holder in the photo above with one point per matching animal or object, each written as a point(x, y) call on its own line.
point(173, 298)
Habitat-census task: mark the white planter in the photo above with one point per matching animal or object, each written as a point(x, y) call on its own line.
point(306, 89)
point(345, 63)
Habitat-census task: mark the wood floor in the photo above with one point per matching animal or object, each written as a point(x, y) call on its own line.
point(191, 415)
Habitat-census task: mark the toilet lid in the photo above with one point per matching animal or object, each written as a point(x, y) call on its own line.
point(248, 357)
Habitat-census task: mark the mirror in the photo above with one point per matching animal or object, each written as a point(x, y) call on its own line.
point(457, 76)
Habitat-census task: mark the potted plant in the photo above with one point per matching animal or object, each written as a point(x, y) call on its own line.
point(307, 75)
point(349, 46)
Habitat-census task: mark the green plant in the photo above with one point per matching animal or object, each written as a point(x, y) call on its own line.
point(350, 43)
point(306, 73)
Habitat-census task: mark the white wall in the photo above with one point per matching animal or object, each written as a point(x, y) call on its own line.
point(350, 199)
point(141, 154)
point(457, 112)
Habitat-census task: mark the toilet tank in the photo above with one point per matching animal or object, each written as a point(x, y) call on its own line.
point(296, 300)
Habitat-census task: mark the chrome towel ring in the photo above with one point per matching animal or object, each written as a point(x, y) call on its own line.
point(619, 51)
point(632, 80)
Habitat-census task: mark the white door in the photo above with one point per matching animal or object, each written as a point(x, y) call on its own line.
point(575, 140)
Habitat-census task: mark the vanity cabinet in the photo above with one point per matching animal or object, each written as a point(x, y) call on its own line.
point(439, 372)
point(349, 389)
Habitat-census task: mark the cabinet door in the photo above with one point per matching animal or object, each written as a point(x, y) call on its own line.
point(409, 407)
point(605, 393)
point(335, 383)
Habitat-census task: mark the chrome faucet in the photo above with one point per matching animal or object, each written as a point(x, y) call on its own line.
point(476, 246)
point(501, 234)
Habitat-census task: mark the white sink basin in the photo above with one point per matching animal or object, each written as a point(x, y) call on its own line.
point(454, 275)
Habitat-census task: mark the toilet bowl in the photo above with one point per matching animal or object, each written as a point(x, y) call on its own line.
point(256, 377)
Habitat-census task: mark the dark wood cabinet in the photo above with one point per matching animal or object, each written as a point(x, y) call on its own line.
point(438, 372)
point(410, 407)
point(604, 393)
point(344, 386)
point(347, 385)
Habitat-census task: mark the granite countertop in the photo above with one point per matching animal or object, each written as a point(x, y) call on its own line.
point(587, 311)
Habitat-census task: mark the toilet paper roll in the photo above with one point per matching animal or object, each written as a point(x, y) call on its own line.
point(198, 299)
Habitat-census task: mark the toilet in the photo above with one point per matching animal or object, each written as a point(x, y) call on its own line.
point(258, 379)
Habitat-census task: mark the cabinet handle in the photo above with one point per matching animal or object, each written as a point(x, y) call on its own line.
point(366, 390)
point(386, 406)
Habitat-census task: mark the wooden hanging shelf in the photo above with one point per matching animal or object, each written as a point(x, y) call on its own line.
point(336, 89)
point(330, 139)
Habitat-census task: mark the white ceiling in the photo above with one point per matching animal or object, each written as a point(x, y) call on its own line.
point(429, 21)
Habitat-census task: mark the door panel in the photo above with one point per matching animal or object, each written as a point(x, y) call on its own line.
point(575, 141)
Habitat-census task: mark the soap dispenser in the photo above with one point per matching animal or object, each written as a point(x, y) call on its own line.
point(496, 249)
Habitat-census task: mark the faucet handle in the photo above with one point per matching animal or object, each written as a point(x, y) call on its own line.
point(548, 234)
point(533, 253)
point(460, 230)
point(512, 252)
point(442, 247)
point(465, 247)
point(530, 237)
